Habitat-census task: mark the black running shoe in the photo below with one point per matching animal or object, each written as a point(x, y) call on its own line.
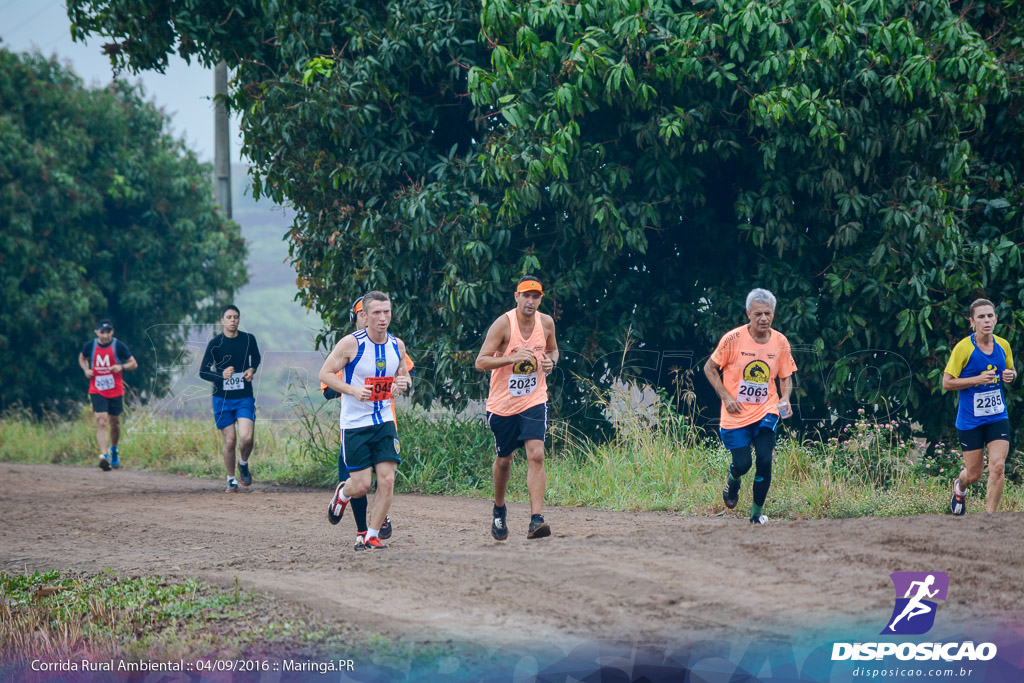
point(731, 493)
point(336, 508)
point(104, 463)
point(499, 529)
point(759, 519)
point(361, 541)
point(385, 530)
point(244, 475)
point(958, 504)
point(538, 528)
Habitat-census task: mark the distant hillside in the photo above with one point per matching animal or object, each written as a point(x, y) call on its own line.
point(267, 303)
point(284, 329)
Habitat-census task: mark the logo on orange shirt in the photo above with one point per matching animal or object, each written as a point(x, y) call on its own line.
point(525, 367)
point(756, 372)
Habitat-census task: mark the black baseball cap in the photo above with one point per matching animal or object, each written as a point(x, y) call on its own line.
point(104, 325)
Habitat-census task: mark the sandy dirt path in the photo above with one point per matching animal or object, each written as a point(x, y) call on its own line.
point(620, 576)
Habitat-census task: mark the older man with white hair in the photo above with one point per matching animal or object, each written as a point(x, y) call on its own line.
point(743, 371)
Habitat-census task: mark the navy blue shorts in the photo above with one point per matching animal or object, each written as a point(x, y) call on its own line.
point(511, 432)
point(226, 411)
point(742, 436)
point(982, 435)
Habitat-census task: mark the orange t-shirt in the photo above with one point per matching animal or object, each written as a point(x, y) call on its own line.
point(749, 370)
point(516, 388)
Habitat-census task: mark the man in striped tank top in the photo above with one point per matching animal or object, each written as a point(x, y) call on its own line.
point(519, 351)
point(373, 361)
point(358, 316)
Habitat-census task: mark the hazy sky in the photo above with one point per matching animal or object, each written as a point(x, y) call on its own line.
point(184, 91)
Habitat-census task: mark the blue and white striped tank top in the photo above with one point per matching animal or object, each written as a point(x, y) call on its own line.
point(371, 361)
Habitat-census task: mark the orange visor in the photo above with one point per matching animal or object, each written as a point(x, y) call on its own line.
point(358, 308)
point(530, 286)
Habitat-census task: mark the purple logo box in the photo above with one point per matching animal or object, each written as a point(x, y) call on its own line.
point(915, 606)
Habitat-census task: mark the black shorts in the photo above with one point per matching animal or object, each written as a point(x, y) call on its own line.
point(510, 432)
point(364, 447)
point(110, 406)
point(982, 435)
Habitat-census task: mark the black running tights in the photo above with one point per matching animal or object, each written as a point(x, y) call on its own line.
point(764, 446)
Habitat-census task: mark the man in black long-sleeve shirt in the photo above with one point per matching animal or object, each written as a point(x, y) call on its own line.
point(230, 362)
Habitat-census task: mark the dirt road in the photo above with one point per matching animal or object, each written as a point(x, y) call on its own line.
point(616, 576)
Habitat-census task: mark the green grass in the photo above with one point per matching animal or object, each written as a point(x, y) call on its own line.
point(58, 616)
point(149, 442)
point(659, 463)
point(61, 616)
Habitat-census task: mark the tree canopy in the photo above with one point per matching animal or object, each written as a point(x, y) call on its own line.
point(104, 214)
point(652, 160)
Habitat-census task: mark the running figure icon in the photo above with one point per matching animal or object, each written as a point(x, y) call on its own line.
point(916, 607)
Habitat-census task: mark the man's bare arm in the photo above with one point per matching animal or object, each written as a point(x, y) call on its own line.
point(496, 340)
point(711, 371)
point(551, 352)
point(403, 380)
point(343, 352)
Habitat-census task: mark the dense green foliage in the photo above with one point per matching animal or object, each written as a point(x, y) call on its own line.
point(374, 153)
point(654, 159)
point(104, 214)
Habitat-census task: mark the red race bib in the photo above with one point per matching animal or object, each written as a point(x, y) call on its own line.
point(380, 387)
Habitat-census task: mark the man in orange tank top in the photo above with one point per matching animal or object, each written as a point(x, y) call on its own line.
point(519, 352)
point(742, 371)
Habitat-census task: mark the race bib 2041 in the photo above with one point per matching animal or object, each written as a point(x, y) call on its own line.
point(380, 387)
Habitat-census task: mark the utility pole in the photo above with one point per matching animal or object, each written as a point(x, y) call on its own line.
point(222, 142)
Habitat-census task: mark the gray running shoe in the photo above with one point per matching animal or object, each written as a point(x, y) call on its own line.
point(957, 505)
